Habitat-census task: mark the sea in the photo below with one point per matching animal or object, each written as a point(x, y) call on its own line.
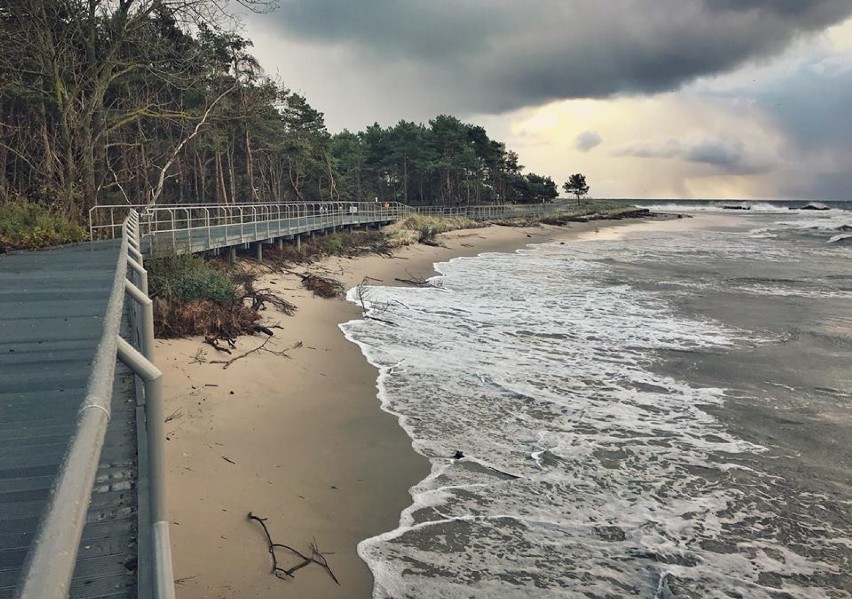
point(662, 409)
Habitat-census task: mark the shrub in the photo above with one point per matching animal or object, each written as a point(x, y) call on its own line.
point(188, 278)
point(27, 225)
point(420, 228)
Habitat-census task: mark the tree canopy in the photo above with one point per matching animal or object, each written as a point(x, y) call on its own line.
point(157, 101)
point(576, 184)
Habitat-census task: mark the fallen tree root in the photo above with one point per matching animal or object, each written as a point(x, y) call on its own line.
point(322, 286)
point(316, 556)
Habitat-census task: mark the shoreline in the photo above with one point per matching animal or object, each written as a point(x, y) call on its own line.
point(297, 434)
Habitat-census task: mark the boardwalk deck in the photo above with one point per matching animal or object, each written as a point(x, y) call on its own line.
point(52, 304)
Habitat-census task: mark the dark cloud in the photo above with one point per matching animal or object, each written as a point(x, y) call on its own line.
point(820, 186)
point(587, 141)
point(725, 156)
point(813, 104)
point(494, 55)
point(808, 103)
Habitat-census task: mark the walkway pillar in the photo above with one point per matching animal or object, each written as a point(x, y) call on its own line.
point(280, 243)
point(259, 248)
point(299, 243)
point(232, 254)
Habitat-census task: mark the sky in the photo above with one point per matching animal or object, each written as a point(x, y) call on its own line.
point(648, 98)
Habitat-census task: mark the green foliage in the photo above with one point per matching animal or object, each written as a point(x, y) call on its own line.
point(188, 278)
point(331, 244)
point(536, 189)
point(576, 184)
point(448, 163)
point(25, 225)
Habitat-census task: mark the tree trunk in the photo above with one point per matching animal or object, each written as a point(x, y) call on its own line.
point(232, 172)
point(250, 169)
point(221, 190)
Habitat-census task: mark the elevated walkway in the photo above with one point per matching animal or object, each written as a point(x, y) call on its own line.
point(195, 228)
point(52, 307)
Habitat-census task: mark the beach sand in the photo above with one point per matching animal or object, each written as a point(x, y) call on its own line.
point(297, 439)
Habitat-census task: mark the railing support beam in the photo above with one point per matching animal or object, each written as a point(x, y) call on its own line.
point(155, 432)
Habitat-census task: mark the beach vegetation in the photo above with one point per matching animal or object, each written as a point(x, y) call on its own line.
point(576, 185)
point(344, 243)
point(419, 228)
point(188, 278)
point(29, 225)
point(195, 296)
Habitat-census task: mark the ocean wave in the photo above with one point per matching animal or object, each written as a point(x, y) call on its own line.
point(585, 470)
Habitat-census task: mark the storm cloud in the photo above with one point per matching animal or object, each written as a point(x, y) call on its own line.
point(726, 156)
point(491, 56)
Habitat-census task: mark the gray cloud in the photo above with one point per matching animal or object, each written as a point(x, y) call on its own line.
point(822, 186)
point(725, 156)
point(587, 141)
point(808, 102)
point(813, 105)
point(496, 55)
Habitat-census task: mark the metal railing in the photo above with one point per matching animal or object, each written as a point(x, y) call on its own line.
point(164, 219)
point(106, 221)
point(50, 564)
point(256, 219)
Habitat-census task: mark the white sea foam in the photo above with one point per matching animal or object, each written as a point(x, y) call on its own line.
point(585, 472)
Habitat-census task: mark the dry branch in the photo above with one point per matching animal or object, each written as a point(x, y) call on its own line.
point(416, 281)
point(241, 356)
point(262, 346)
point(316, 556)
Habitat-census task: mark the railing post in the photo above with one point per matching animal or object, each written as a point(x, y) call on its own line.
point(141, 273)
point(155, 433)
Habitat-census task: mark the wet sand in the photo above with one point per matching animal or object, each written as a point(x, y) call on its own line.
point(297, 436)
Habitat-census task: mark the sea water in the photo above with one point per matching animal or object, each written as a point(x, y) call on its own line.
point(663, 412)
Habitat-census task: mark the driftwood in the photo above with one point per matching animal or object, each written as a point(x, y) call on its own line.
point(316, 557)
point(322, 286)
point(416, 281)
point(361, 296)
point(262, 329)
point(214, 342)
point(262, 346)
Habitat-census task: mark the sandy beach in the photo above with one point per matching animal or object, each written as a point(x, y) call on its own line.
point(296, 435)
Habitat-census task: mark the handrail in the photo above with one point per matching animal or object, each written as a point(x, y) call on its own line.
point(181, 217)
point(50, 564)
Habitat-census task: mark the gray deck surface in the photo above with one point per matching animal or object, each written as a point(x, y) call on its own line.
point(52, 305)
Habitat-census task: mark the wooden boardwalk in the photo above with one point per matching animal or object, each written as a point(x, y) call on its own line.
point(52, 305)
